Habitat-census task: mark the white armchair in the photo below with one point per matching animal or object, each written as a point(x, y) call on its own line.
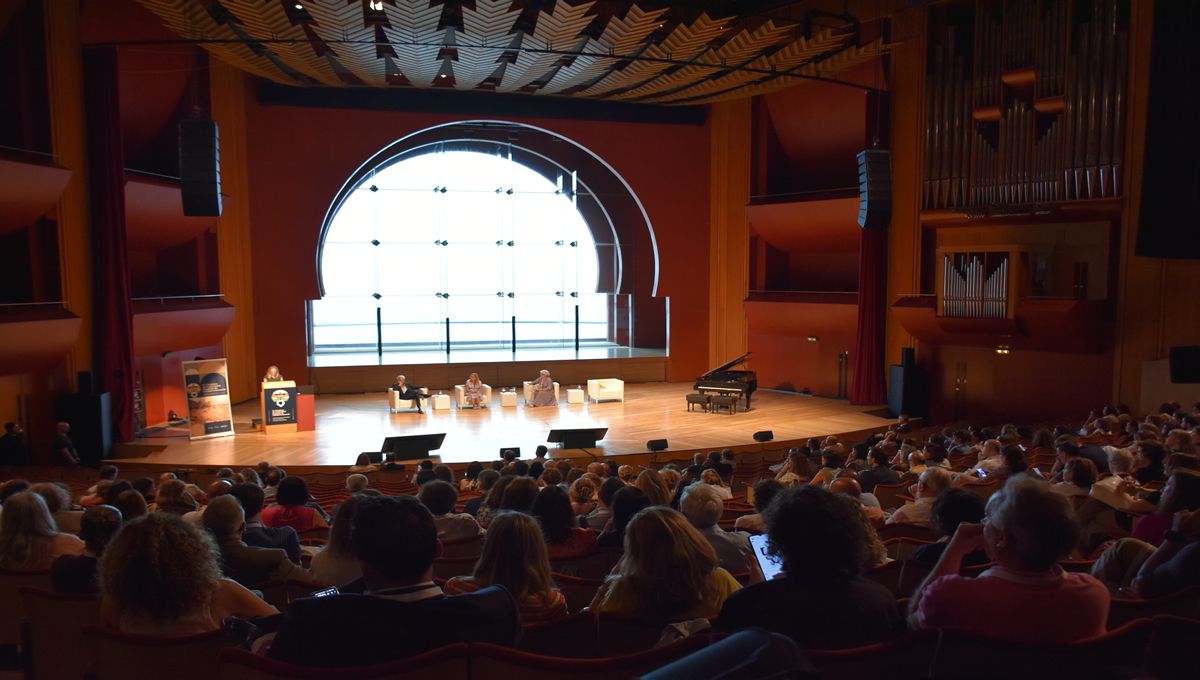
point(395, 403)
point(460, 395)
point(606, 388)
point(528, 388)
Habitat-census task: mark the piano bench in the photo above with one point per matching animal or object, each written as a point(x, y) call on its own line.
point(719, 401)
point(697, 399)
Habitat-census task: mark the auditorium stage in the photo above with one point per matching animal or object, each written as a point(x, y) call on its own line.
point(350, 424)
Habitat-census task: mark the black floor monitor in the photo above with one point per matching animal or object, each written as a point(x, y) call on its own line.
point(577, 438)
point(412, 446)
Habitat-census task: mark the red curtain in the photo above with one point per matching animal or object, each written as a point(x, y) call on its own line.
point(868, 385)
point(113, 320)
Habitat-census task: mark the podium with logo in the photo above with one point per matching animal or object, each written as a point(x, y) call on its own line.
point(278, 401)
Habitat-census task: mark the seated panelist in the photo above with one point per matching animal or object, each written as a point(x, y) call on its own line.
point(404, 390)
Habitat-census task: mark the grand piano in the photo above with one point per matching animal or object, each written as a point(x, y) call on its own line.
point(722, 380)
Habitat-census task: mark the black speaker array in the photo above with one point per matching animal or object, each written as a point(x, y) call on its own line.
point(657, 445)
point(874, 188)
point(200, 168)
point(1185, 364)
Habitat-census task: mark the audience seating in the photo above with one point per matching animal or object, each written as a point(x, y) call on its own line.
point(578, 591)
point(1185, 603)
point(315, 536)
point(494, 662)
point(913, 531)
point(603, 389)
point(1173, 652)
point(463, 547)
point(53, 639)
point(983, 489)
point(594, 565)
point(283, 593)
point(903, 548)
point(1117, 654)
point(900, 659)
point(114, 655)
point(618, 635)
point(889, 494)
point(460, 396)
point(444, 663)
point(10, 601)
point(448, 568)
point(572, 636)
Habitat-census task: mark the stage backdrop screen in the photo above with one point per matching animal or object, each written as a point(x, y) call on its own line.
point(207, 385)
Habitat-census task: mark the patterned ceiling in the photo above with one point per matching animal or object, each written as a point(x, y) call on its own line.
point(655, 53)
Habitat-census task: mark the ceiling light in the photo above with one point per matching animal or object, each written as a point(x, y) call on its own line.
point(1003, 349)
point(299, 6)
point(377, 5)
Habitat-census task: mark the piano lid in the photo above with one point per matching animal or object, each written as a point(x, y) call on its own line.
point(727, 365)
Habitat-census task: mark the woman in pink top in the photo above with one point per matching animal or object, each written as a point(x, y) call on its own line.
point(290, 509)
point(1026, 597)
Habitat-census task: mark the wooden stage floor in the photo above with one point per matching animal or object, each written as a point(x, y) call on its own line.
point(350, 424)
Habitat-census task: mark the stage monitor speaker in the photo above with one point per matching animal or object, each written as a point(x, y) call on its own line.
point(412, 446)
point(576, 438)
point(906, 391)
point(1185, 364)
point(656, 445)
point(764, 436)
point(90, 417)
point(375, 457)
point(200, 168)
point(1168, 225)
point(874, 188)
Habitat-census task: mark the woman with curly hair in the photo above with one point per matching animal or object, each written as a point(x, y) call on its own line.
point(29, 538)
point(514, 556)
point(159, 576)
point(668, 573)
point(821, 600)
point(583, 491)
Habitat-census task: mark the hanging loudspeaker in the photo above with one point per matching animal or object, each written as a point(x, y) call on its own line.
point(200, 168)
point(874, 188)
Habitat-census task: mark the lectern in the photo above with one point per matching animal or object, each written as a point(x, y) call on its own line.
point(278, 406)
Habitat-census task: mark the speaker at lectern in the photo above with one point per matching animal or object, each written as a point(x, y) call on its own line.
point(278, 399)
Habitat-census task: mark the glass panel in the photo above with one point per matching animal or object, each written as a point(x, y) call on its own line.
point(475, 269)
point(410, 269)
point(348, 268)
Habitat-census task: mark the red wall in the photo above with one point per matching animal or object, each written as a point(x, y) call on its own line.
point(162, 381)
point(300, 157)
point(783, 356)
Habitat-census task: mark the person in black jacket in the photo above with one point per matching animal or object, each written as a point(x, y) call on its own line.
point(395, 610)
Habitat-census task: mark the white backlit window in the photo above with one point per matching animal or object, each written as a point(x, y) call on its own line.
point(472, 237)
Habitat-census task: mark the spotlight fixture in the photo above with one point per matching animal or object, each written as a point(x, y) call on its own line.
point(1003, 349)
point(812, 338)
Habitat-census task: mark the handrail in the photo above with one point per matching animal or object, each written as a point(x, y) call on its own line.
point(163, 299)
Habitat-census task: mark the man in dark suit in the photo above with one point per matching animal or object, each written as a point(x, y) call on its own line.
point(878, 470)
point(404, 390)
point(396, 610)
point(256, 534)
point(12, 445)
point(243, 563)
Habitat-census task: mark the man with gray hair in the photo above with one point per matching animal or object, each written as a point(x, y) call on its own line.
point(929, 485)
point(1120, 489)
point(703, 507)
point(356, 482)
point(247, 565)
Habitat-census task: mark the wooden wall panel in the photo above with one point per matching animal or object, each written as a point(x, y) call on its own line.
point(233, 229)
point(729, 236)
point(355, 379)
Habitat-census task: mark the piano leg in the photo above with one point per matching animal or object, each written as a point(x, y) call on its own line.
point(747, 400)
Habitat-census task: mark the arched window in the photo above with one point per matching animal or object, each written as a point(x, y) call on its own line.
point(473, 237)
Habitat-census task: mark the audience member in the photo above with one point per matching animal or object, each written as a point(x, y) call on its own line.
point(470, 476)
point(363, 464)
point(1149, 462)
point(711, 477)
point(146, 487)
point(173, 498)
point(440, 496)
point(396, 610)
point(29, 539)
point(519, 495)
point(159, 577)
point(336, 564)
point(878, 471)
point(77, 574)
point(1181, 492)
point(1026, 597)
point(492, 501)
point(291, 509)
point(250, 566)
point(929, 485)
point(822, 599)
point(598, 518)
point(249, 476)
point(258, 534)
point(652, 484)
point(58, 502)
point(514, 556)
point(659, 541)
point(702, 506)
point(831, 464)
point(764, 491)
point(849, 486)
point(107, 473)
point(564, 537)
point(626, 474)
point(1078, 475)
point(131, 504)
point(13, 450)
point(483, 484)
point(627, 502)
point(952, 508)
point(582, 493)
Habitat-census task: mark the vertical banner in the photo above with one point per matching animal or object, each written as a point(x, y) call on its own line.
point(280, 401)
point(207, 385)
